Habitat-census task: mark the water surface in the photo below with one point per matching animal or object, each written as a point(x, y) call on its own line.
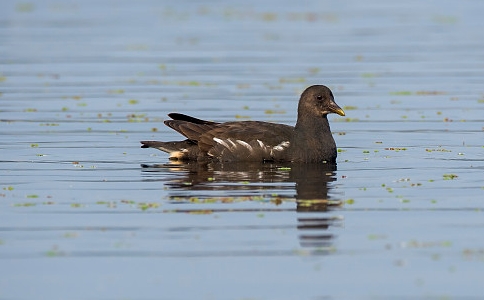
point(81, 83)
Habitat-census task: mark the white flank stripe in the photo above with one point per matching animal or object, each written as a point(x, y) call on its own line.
point(221, 142)
point(281, 146)
point(232, 142)
point(249, 147)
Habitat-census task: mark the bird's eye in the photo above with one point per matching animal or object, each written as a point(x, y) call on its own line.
point(319, 97)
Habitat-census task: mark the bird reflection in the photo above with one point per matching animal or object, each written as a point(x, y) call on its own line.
point(244, 180)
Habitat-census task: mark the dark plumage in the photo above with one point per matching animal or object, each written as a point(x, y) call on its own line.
point(309, 141)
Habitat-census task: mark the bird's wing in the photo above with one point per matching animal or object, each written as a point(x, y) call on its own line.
point(192, 131)
point(190, 119)
point(247, 140)
point(192, 128)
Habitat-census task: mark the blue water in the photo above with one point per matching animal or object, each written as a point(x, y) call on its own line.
point(81, 83)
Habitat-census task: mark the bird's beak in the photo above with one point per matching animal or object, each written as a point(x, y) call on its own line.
point(334, 108)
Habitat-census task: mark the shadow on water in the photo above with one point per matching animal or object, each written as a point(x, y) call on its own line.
point(306, 185)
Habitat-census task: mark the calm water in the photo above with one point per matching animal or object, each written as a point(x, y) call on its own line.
point(82, 82)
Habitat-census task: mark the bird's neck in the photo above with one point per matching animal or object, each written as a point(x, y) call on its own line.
point(314, 126)
point(314, 136)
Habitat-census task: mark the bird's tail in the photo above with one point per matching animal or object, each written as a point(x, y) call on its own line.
point(181, 150)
